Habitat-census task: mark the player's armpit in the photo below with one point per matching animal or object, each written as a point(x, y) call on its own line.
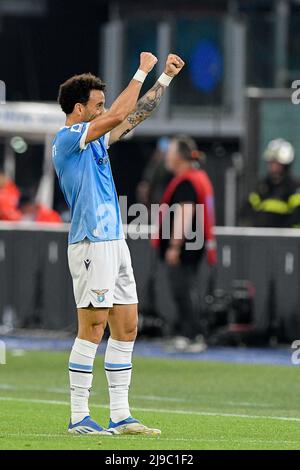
point(101, 125)
point(144, 108)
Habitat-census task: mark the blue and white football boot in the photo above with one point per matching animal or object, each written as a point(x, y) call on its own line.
point(132, 426)
point(88, 426)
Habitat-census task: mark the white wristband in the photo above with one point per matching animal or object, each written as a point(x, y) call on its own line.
point(140, 76)
point(165, 79)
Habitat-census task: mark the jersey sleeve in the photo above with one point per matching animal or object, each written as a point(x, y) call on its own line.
point(106, 140)
point(74, 137)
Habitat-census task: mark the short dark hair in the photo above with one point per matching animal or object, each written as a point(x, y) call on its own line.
point(77, 89)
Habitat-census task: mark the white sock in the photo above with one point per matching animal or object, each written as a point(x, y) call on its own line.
point(81, 377)
point(118, 372)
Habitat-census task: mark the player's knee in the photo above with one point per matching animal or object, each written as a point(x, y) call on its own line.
point(130, 332)
point(93, 332)
point(97, 330)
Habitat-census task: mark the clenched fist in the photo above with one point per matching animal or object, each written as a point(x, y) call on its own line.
point(173, 65)
point(147, 61)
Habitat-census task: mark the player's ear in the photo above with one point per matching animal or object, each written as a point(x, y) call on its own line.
point(79, 108)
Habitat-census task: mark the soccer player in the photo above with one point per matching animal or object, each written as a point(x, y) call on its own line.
point(99, 259)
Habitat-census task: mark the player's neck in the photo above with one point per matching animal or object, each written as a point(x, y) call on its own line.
point(71, 120)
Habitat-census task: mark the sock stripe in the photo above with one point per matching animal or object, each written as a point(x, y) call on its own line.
point(117, 370)
point(117, 366)
point(80, 367)
point(80, 372)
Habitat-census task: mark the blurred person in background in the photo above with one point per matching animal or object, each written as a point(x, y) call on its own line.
point(99, 258)
point(189, 188)
point(9, 199)
point(155, 176)
point(33, 211)
point(276, 200)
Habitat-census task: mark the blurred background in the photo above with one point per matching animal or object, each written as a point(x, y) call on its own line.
point(233, 97)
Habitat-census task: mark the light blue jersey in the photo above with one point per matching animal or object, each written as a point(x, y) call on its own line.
point(87, 183)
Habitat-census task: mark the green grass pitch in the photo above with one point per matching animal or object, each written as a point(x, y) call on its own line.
point(197, 405)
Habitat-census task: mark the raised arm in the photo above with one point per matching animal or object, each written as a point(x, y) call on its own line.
point(125, 102)
point(149, 102)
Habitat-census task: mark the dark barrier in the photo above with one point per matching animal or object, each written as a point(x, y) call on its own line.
point(36, 288)
point(269, 259)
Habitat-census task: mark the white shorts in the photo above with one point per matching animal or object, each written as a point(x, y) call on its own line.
point(102, 273)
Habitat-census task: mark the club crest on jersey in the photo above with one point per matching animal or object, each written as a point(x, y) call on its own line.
point(100, 294)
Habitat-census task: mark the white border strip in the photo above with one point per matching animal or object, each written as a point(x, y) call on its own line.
point(151, 229)
point(34, 227)
point(258, 232)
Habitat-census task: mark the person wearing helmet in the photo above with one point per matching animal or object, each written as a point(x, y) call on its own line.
point(276, 200)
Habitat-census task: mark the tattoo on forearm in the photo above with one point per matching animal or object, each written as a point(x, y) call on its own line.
point(145, 107)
